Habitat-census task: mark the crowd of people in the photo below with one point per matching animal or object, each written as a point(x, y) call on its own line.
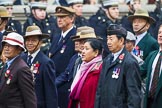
point(68, 61)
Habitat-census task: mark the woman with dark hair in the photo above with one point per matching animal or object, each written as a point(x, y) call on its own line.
point(84, 85)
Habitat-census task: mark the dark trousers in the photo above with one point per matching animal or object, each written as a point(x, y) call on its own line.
point(150, 102)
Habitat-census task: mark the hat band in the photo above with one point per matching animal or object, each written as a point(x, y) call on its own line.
point(87, 35)
point(14, 40)
point(34, 32)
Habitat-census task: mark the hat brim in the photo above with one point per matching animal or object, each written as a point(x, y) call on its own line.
point(41, 35)
point(60, 14)
point(132, 17)
point(6, 16)
point(13, 43)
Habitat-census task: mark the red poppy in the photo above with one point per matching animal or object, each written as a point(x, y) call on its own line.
point(121, 57)
point(7, 73)
point(137, 47)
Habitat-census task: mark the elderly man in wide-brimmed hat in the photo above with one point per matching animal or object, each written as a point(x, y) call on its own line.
point(15, 77)
point(145, 43)
point(41, 18)
point(42, 67)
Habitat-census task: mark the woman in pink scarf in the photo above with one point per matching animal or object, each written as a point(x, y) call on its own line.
point(85, 83)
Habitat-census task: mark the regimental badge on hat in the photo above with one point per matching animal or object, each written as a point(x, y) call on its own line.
point(4, 13)
point(84, 32)
point(6, 2)
point(115, 29)
point(35, 31)
point(110, 3)
point(141, 13)
point(74, 1)
point(64, 11)
point(38, 5)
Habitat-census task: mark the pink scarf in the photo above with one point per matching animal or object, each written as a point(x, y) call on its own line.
point(83, 72)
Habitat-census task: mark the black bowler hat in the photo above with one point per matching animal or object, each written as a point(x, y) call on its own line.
point(115, 29)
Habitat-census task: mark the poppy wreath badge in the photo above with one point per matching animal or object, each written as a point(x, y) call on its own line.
point(8, 75)
point(121, 57)
point(35, 67)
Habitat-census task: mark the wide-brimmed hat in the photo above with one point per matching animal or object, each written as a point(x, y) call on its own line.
point(64, 11)
point(110, 3)
point(115, 29)
point(6, 2)
point(35, 31)
point(74, 1)
point(4, 13)
point(38, 5)
point(84, 32)
point(14, 39)
point(130, 36)
point(141, 13)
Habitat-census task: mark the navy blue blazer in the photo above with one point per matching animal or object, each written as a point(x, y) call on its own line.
point(67, 75)
point(45, 81)
point(61, 59)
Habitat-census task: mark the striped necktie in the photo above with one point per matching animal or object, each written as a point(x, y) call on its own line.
point(155, 76)
point(29, 60)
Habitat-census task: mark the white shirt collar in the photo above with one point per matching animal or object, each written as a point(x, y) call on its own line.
point(34, 54)
point(66, 32)
point(117, 54)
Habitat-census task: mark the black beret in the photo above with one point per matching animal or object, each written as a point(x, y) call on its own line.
point(115, 29)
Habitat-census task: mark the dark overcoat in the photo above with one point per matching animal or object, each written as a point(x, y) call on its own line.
point(45, 81)
point(61, 53)
point(124, 91)
point(61, 59)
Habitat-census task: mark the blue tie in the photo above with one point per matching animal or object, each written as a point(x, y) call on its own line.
point(61, 39)
point(29, 60)
point(111, 58)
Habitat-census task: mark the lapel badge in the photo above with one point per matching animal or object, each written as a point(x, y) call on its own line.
point(7, 73)
point(9, 79)
point(121, 57)
point(141, 54)
point(63, 49)
point(116, 73)
point(136, 50)
point(35, 67)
